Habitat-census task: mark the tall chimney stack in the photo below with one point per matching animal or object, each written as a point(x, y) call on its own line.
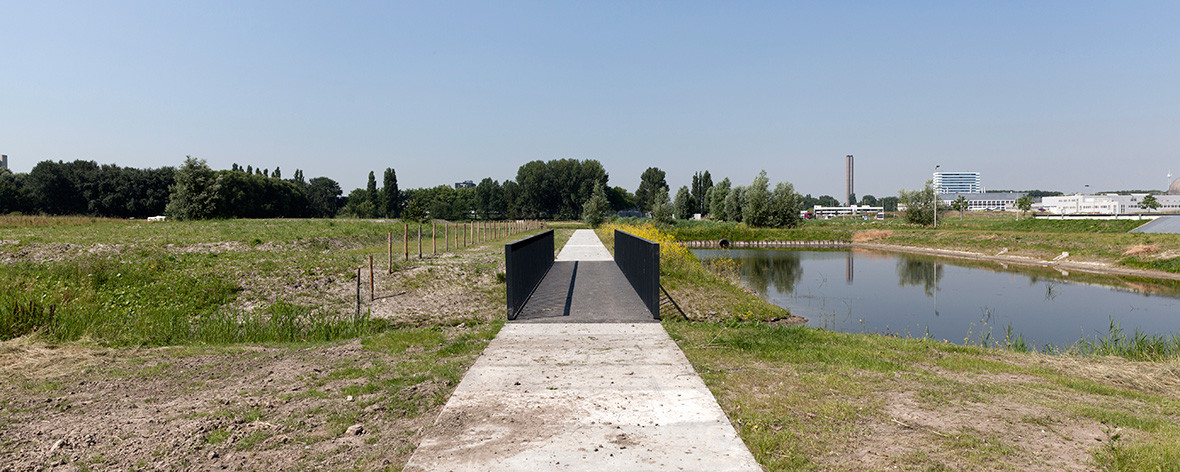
point(849, 191)
point(4, 161)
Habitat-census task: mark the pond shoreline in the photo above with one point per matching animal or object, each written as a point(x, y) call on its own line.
point(1101, 268)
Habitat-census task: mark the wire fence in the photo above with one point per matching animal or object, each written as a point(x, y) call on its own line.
point(455, 236)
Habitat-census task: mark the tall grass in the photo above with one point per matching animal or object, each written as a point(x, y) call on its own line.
point(151, 301)
point(714, 230)
point(1137, 346)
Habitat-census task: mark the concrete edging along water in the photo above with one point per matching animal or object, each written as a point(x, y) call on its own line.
point(1101, 268)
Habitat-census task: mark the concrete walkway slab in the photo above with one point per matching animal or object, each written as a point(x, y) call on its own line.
point(582, 397)
point(584, 245)
point(548, 394)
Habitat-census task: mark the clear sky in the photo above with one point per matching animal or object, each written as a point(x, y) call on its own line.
point(1051, 95)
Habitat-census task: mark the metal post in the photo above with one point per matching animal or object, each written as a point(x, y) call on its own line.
point(406, 240)
point(936, 199)
point(358, 291)
point(391, 252)
point(372, 295)
point(433, 239)
point(419, 240)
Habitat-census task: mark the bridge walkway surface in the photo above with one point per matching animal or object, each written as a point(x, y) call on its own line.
point(591, 390)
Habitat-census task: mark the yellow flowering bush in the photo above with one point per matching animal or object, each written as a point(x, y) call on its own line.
point(673, 256)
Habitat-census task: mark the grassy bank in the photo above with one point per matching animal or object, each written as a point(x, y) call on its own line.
point(808, 399)
point(703, 294)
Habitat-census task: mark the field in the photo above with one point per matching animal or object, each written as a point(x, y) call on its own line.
point(133, 345)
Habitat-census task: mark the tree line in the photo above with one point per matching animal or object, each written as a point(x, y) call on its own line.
point(191, 191)
point(554, 189)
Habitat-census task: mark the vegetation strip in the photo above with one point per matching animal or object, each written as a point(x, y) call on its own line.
point(272, 370)
point(808, 399)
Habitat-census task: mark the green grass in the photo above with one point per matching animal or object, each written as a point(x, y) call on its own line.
point(800, 395)
point(713, 230)
point(134, 283)
point(1137, 346)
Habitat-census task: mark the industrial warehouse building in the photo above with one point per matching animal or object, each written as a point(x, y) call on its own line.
point(1111, 203)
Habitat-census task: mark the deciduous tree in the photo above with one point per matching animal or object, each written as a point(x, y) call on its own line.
point(649, 181)
point(194, 195)
point(756, 201)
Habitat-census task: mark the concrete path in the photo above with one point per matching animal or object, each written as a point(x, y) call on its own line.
point(584, 245)
point(582, 397)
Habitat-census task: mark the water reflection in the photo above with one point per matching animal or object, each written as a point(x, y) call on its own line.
point(900, 293)
point(915, 272)
point(782, 269)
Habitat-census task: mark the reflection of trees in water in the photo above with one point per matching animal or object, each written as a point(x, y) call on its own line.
point(783, 269)
point(919, 273)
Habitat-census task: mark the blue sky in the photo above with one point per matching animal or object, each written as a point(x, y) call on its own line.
point(1052, 95)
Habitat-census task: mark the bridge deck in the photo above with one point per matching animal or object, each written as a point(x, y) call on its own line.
point(584, 292)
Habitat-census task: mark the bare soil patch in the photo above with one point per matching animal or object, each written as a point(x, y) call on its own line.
point(870, 235)
point(241, 408)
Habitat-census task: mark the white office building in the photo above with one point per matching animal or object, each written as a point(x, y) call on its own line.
point(984, 201)
point(957, 182)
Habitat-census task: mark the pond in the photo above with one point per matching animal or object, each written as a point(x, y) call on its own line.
point(958, 301)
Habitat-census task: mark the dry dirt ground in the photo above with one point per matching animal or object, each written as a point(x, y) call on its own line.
point(338, 406)
point(76, 408)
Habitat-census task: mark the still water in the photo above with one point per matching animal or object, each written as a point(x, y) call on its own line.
point(866, 291)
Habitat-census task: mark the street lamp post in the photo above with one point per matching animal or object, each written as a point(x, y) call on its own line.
point(936, 201)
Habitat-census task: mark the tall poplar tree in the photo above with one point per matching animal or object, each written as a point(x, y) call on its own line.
point(390, 195)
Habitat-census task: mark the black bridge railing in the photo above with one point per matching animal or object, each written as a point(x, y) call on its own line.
point(639, 259)
point(526, 262)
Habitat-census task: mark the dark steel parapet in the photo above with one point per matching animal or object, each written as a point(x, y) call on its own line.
point(639, 260)
point(525, 263)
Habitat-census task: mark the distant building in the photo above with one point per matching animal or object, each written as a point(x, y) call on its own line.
point(957, 182)
point(985, 201)
point(3, 161)
point(823, 212)
point(1108, 204)
point(465, 184)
